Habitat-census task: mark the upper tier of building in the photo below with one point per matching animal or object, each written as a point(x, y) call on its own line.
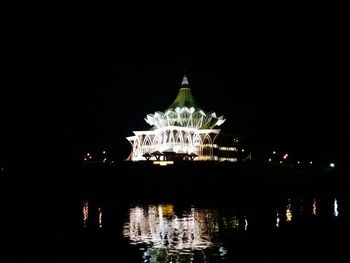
point(184, 112)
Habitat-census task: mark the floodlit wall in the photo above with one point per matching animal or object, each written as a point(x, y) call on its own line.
point(174, 139)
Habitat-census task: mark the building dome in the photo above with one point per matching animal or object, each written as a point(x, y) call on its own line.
point(184, 112)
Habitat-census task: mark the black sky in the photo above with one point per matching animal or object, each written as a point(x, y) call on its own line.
point(80, 76)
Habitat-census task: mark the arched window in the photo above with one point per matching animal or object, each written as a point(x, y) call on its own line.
point(207, 146)
point(197, 144)
point(171, 139)
point(178, 142)
point(157, 141)
point(147, 145)
point(136, 145)
point(188, 147)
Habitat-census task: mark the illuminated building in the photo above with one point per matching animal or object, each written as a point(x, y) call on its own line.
point(182, 131)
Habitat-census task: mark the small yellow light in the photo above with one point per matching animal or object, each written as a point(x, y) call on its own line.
point(163, 163)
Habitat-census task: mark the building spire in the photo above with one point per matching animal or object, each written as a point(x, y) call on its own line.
point(184, 80)
point(184, 98)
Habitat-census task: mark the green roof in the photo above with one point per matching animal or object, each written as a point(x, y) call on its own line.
point(184, 98)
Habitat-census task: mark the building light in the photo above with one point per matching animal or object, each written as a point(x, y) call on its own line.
point(232, 149)
point(222, 159)
point(163, 163)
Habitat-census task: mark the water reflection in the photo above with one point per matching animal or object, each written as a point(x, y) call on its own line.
point(157, 226)
point(245, 223)
point(289, 214)
point(100, 217)
point(174, 236)
point(167, 233)
point(314, 207)
point(85, 213)
point(335, 213)
point(301, 211)
point(278, 219)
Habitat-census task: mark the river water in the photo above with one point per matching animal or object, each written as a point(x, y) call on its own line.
point(57, 223)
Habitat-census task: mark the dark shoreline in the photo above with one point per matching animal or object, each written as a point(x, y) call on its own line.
point(205, 180)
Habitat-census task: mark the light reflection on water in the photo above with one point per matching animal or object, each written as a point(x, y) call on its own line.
point(278, 219)
point(314, 207)
point(289, 214)
point(336, 212)
point(166, 233)
point(85, 213)
point(100, 217)
point(170, 235)
point(245, 223)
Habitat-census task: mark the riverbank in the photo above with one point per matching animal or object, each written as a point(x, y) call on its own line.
point(203, 180)
point(180, 181)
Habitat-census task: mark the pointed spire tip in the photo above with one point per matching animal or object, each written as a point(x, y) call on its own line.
point(184, 80)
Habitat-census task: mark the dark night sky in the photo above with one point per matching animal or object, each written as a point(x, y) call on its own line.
point(79, 76)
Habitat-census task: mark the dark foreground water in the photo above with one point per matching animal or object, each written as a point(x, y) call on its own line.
point(91, 220)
